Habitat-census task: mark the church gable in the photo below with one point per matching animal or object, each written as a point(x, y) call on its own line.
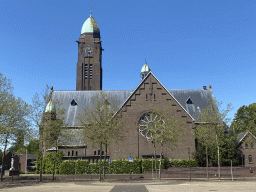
point(150, 94)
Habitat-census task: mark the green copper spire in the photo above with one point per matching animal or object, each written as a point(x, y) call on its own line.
point(90, 26)
point(49, 107)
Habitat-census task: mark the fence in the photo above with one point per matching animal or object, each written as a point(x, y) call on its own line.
point(201, 172)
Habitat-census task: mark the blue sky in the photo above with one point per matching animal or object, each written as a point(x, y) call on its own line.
point(187, 44)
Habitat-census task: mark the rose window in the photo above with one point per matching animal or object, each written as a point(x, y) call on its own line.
point(147, 123)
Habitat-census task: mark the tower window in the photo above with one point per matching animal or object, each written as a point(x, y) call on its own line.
point(85, 71)
point(154, 97)
point(146, 97)
point(189, 101)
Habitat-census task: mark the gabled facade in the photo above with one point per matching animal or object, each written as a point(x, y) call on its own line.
point(247, 144)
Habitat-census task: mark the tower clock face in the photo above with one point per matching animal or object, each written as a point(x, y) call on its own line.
point(88, 51)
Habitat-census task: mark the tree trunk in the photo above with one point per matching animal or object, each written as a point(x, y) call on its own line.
point(160, 161)
point(3, 157)
point(54, 162)
point(105, 157)
point(100, 160)
point(218, 156)
point(207, 169)
point(41, 165)
point(155, 158)
point(219, 161)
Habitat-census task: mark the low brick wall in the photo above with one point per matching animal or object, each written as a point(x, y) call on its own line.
point(201, 172)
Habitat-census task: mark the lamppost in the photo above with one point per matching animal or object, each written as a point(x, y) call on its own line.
point(26, 164)
point(152, 169)
point(229, 150)
point(130, 161)
point(231, 168)
point(242, 156)
point(189, 164)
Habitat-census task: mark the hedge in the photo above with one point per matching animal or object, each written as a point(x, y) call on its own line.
point(121, 166)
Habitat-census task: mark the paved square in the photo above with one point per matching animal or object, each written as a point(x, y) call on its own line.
point(172, 186)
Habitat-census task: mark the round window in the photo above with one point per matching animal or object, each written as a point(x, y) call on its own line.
point(147, 123)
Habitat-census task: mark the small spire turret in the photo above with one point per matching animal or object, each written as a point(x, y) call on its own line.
point(144, 70)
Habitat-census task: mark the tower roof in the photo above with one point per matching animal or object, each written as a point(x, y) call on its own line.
point(145, 68)
point(90, 26)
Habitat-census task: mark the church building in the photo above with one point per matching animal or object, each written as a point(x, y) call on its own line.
point(134, 105)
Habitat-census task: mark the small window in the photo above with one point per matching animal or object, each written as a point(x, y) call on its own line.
point(251, 145)
point(146, 96)
point(94, 152)
point(72, 153)
point(250, 159)
point(102, 152)
point(189, 101)
point(246, 145)
point(98, 152)
point(73, 102)
point(154, 97)
point(68, 153)
point(76, 153)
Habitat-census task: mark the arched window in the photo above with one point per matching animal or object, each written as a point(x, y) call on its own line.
point(250, 159)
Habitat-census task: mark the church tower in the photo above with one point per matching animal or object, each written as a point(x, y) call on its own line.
point(89, 69)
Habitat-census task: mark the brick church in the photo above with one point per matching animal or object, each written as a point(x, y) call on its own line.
point(133, 105)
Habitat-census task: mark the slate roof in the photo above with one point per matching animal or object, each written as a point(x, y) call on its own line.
point(241, 136)
point(199, 97)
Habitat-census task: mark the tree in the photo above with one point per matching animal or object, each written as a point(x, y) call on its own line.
point(211, 128)
point(13, 117)
point(37, 110)
point(162, 127)
point(245, 119)
point(100, 123)
point(49, 116)
point(55, 132)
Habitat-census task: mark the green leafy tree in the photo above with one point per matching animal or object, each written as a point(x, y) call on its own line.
point(49, 116)
point(56, 132)
point(245, 119)
point(163, 127)
point(212, 125)
point(13, 117)
point(100, 124)
point(39, 102)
